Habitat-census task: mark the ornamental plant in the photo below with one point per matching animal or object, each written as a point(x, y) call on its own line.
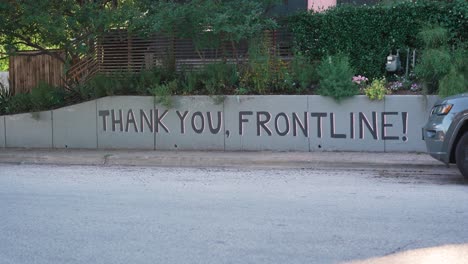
point(335, 77)
point(377, 90)
point(360, 81)
point(395, 86)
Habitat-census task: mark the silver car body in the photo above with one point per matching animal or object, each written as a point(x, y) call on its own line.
point(442, 131)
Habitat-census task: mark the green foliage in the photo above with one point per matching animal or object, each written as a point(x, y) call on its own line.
point(335, 77)
point(104, 85)
point(304, 72)
point(190, 82)
point(162, 93)
point(46, 97)
point(255, 75)
point(436, 59)
point(68, 25)
point(369, 33)
point(141, 82)
point(19, 103)
point(3, 65)
point(3, 60)
point(456, 81)
point(439, 62)
point(434, 37)
point(209, 23)
point(377, 90)
point(265, 73)
point(43, 97)
point(434, 65)
point(219, 77)
point(5, 96)
point(123, 83)
point(453, 83)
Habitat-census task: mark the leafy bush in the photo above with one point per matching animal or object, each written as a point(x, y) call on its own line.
point(336, 75)
point(369, 33)
point(453, 83)
point(441, 62)
point(304, 72)
point(162, 93)
point(436, 59)
point(219, 77)
point(190, 82)
point(376, 90)
point(104, 85)
point(19, 103)
point(45, 97)
point(5, 96)
point(255, 76)
point(142, 81)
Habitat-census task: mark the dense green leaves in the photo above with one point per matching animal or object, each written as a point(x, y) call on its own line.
point(70, 25)
point(369, 33)
point(207, 22)
point(336, 75)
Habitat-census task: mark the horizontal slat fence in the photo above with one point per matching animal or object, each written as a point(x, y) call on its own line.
point(119, 52)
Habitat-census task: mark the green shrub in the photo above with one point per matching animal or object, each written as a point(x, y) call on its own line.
point(19, 103)
point(436, 59)
point(453, 83)
point(142, 81)
point(377, 90)
point(219, 78)
point(45, 97)
point(304, 73)
point(103, 85)
point(441, 62)
point(255, 76)
point(162, 93)
point(335, 77)
point(190, 82)
point(369, 33)
point(5, 96)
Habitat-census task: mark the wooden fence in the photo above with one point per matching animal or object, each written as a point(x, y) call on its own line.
point(29, 68)
point(118, 52)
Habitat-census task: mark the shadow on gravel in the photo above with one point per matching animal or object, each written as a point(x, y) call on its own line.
point(437, 175)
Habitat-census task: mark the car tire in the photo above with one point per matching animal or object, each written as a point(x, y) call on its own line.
point(461, 155)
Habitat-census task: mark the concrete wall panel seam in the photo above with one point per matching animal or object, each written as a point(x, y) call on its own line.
point(224, 124)
point(97, 126)
point(155, 146)
point(385, 110)
point(308, 107)
point(4, 131)
point(52, 127)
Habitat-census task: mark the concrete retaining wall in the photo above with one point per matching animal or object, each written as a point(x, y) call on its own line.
point(281, 123)
point(4, 79)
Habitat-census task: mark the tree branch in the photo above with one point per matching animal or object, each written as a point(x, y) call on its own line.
point(26, 41)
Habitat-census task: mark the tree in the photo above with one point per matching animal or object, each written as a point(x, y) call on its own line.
point(68, 25)
point(209, 23)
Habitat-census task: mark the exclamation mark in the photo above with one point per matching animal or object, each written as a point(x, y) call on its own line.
point(404, 116)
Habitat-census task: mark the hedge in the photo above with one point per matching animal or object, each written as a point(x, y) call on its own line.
point(369, 33)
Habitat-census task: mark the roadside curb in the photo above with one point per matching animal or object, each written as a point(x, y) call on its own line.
point(218, 159)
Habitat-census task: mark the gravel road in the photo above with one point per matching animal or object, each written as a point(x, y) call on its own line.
point(88, 214)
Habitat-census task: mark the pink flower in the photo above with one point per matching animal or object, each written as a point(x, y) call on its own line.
point(359, 79)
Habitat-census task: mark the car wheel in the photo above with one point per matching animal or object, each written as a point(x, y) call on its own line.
point(461, 155)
